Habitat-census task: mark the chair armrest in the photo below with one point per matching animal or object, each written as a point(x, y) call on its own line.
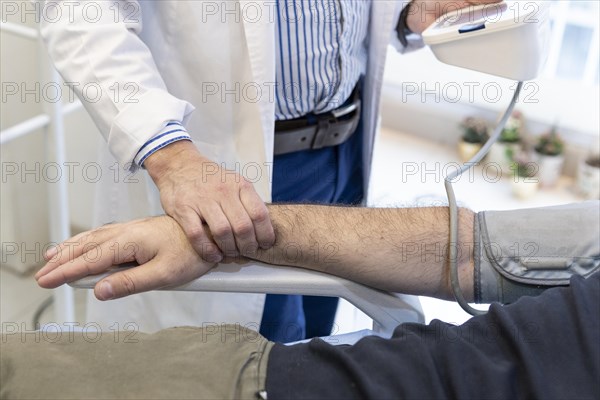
point(388, 310)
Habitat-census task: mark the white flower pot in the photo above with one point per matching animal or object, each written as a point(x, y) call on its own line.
point(588, 181)
point(524, 188)
point(499, 156)
point(549, 169)
point(467, 150)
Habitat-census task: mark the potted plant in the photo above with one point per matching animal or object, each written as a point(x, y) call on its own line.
point(549, 150)
point(475, 134)
point(588, 177)
point(508, 143)
point(524, 170)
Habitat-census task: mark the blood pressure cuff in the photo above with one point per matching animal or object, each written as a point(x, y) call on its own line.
point(523, 252)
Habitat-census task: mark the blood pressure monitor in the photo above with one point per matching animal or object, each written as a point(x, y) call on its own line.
point(506, 39)
point(509, 40)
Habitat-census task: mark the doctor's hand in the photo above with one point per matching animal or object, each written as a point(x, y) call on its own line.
point(158, 245)
point(423, 13)
point(194, 190)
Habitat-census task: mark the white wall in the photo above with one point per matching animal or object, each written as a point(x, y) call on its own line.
point(440, 122)
point(24, 197)
point(22, 207)
point(420, 98)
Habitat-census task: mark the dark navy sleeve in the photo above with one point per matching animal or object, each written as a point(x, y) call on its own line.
point(545, 347)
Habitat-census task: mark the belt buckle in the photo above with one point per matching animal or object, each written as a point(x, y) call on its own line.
point(344, 110)
point(321, 134)
point(324, 124)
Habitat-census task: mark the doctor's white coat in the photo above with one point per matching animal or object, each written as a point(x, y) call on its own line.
point(157, 61)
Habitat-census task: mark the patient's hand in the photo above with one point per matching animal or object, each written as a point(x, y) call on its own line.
point(158, 244)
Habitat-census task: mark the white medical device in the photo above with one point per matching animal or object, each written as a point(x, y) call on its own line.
point(509, 40)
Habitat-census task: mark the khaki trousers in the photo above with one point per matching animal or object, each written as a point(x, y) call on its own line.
point(217, 362)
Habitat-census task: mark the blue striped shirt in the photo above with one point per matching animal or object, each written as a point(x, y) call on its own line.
point(321, 53)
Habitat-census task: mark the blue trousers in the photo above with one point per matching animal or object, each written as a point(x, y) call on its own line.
point(330, 175)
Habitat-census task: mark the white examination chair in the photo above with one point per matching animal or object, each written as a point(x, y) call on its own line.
point(388, 310)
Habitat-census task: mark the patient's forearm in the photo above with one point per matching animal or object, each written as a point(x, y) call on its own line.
point(400, 250)
point(403, 250)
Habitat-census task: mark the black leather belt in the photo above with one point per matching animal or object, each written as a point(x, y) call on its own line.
point(318, 130)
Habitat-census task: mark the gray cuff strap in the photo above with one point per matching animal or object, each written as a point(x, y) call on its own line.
point(524, 252)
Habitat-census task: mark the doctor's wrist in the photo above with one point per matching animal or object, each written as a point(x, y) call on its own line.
point(172, 132)
point(170, 158)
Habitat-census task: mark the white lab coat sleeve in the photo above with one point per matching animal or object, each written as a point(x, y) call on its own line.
point(415, 41)
point(99, 54)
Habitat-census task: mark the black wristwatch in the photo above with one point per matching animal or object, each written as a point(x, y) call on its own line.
point(402, 27)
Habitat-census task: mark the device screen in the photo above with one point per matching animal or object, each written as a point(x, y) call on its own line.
point(474, 15)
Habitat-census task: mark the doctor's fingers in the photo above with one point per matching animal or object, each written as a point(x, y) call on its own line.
point(196, 233)
point(96, 260)
point(227, 222)
point(259, 214)
point(242, 226)
point(76, 246)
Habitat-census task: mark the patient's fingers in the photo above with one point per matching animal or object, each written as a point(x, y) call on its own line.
point(146, 277)
point(60, 253)
point(75, 247)
point(170, 268)
point(165, 260)
point(94, 260)
point(52, 252)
